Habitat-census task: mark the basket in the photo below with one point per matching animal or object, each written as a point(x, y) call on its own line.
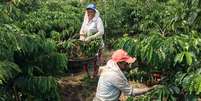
point(75, 65)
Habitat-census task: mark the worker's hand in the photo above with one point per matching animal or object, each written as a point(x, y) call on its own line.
point(82, 37)
point(153, 87)
point(87, 39)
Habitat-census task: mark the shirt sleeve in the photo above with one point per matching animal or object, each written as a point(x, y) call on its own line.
point(100, 27)
point(83, 23)
point(127, 90)
point(123, 85)
point(81, 32)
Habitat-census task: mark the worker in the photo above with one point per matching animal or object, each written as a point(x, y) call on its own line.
point(112, 82)
point(92, 28)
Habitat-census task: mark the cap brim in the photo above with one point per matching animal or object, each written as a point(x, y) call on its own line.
point(130, 60)
point(125, 59)
point(91, 9)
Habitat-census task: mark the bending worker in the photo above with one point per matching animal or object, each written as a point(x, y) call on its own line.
point(112, 81)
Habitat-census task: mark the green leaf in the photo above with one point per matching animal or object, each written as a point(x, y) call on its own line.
point(189, 57)
point(150, 52)
point(39, 86)
point(179, 58)
point(8, 71)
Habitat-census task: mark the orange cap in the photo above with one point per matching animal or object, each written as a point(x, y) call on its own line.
point(121, 55)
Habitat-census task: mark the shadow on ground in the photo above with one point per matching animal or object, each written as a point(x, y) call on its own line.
point(77, 87)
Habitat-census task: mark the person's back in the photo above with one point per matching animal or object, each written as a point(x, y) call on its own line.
point(106, 90)
point(111, 81)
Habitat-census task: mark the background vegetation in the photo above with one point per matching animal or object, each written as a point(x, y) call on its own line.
point(164, 35)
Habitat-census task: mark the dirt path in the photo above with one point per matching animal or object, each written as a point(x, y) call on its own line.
point(77, 86)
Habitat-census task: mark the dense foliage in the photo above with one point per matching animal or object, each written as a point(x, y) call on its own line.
point(29, 57)
point(77, 49)
point(166, 42)
point(38, 36)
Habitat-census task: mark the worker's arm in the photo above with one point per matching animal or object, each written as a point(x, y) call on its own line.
point(140, 91)
point(128, 90)
point(122, 84)
point(82, 34)
point(100, 32)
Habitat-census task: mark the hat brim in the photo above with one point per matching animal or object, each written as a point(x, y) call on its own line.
point(91, 9)
point(130, 60)
point(127, 59)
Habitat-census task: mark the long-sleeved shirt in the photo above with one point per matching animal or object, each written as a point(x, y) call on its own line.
point(111, 82)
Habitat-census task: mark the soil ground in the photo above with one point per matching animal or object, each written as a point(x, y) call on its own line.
point(78, 86)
